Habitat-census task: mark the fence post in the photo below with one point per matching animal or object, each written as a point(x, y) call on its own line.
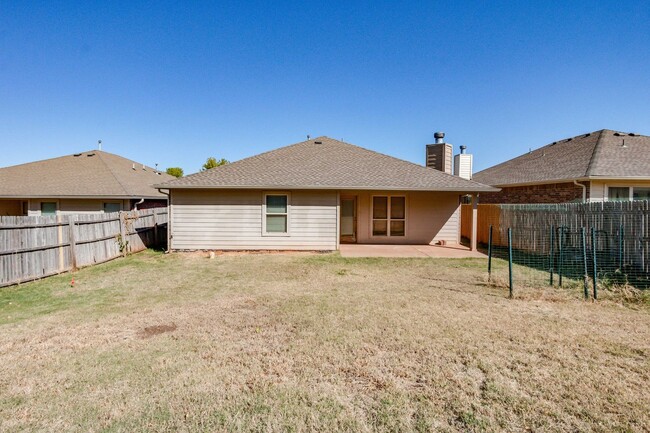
point(584, 262)
point(123, 233)
point(155, 228)
point(73, 244)
point(593, 253)
point(510, 262)
point(59, 240)
point(490, 254)
point(560, 239)
point(550, 255)
point(620, 247)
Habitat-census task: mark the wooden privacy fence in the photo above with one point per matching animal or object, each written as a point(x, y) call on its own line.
point(622, 228)
point(37, 247)
point(487, 214)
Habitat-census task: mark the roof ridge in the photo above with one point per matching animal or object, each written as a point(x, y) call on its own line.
point(201, 172)
point(596, 152)
point(400, 159)
point(47, 159)
point(110, 170)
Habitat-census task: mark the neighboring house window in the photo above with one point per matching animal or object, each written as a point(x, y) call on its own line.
point(112, 207)
point(48, 208)
point(641, 193)
point(388, 215)
point(618, 193)
point(276, 214)
point(626, 193)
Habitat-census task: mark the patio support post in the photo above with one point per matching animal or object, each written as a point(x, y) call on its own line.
point(474, 221)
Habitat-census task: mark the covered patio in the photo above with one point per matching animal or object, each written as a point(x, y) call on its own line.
point(422, 251)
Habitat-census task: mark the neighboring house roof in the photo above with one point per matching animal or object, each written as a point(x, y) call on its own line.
point(599, 154)
point(325, 163)
point(88, 174)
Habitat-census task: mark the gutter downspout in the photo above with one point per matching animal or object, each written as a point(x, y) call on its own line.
point(584, 191)
point(135, 206)
point(169, 219)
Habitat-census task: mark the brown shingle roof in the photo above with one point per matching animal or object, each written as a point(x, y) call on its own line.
point(88, 174)
point(325, 163)
point(597, 154)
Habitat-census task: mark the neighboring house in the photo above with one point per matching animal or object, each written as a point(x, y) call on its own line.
point(599, 166)
point(312, 196)
point(87, 182)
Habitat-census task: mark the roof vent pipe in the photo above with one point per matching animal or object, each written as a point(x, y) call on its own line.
point(439, 136)
point(462, 149)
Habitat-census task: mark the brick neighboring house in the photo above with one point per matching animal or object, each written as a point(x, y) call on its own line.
point(598, 166)
point(86, 182)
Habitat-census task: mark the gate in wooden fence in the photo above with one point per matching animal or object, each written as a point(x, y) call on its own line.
point(37, 247)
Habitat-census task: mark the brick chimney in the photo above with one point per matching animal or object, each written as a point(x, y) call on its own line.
point(439, 155)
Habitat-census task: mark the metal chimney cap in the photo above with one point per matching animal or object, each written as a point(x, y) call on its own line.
point(438, 135)
point(462, 149)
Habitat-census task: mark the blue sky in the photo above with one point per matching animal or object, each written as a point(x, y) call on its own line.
point(175, 82)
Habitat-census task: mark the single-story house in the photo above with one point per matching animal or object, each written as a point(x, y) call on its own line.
point(598, 166)
point(86, 182)
point(314, 195)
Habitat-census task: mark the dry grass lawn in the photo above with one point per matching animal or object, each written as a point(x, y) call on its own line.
point(275, 343)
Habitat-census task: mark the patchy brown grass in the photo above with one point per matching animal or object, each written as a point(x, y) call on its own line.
point(315, 343)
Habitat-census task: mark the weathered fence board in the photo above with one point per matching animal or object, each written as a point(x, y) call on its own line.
point(622, 227)
point(37, 247)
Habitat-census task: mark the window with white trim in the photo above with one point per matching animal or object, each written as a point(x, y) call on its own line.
point(388, 216)
point(276, 214)
point(618, 193)
point(640, 193)
point(626, 193)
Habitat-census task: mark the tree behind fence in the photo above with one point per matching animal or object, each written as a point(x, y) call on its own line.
point(36, 247)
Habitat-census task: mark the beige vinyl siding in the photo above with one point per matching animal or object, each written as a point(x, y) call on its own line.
point(430, 217)
point(450, 230)
point(232, 220)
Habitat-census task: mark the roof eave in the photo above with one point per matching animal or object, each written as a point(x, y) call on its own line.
point(540, 182)
point(324, 188)
point(99, 197)
point(604, 177)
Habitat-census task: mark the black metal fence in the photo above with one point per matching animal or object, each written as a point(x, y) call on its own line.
point(586, 246)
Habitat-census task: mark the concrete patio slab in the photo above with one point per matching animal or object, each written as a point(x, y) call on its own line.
point(447, 251)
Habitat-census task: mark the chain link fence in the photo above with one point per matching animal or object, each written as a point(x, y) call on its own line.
point(578, 246)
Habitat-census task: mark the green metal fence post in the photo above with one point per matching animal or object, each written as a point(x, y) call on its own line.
point(550, 256)
point(560, 240)
point(594, 262)
point(490, 254)
point(510, 261)
point(584, 262)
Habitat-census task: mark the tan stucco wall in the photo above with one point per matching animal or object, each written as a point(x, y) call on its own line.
point(430, 217)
